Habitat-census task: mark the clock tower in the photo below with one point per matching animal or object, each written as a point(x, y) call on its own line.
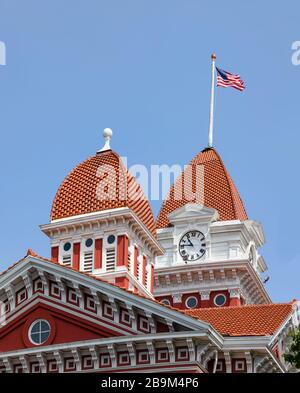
point(211, 254)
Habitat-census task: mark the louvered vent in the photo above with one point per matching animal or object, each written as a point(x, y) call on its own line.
point(67, 260)
point(88, 262)
point(129, 261)
point(146, 278)
point(110, 259)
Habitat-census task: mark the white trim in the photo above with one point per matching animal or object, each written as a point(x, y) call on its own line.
point(180, 356)
point(85, 359)
point(108, 289)
point(141, 353)
point(67, 364)
point(124, 355)
point(104, 359)
point(106, 342)
point(100, 215)
point(164, 352)
point(206, 266)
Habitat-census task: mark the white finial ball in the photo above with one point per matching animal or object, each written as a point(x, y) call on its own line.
point(107, 133)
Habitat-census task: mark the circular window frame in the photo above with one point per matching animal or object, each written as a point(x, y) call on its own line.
point(112, 242)
point(224, 297)
point(166, 302)
point(30, 331)
point(89, 241)
point(191, 297)
point(68, 248)
point(41, 314)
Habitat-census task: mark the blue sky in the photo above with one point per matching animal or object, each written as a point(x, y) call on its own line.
point(143, 69)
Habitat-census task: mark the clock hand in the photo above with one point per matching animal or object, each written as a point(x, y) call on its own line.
point(191, 244)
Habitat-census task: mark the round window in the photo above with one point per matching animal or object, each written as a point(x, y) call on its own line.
point(191, 302)
point(39, 332)
point(89, 242)
point(220, 300)
point(67, 246)
point(111, 239)
point(166, 301)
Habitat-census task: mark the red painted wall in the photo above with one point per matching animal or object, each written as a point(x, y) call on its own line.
point(160, 298)
point(201, 303)
point(98, 254)
point(54, 254)
point(122, 251)
point(122, 282)
point(213, 294)
point(76, 255)
point(64, 328)
point(162, 327)
point(234, 302)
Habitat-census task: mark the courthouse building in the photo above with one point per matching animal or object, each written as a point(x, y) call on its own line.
point(124, 292)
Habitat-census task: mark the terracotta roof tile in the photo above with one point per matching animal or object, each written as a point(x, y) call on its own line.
point(249, 320)
point(220, 192)
point(83, 190)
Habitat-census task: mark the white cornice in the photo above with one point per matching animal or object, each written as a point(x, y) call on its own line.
point(107, 341)
point(217, 265)
point(109, 214)
point(109, 290)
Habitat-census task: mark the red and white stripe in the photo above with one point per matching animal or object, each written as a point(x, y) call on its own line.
point(233, 81)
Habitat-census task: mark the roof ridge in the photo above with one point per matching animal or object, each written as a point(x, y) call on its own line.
point(231, 186)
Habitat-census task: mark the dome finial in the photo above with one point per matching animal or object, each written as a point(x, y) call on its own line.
point(107, 135)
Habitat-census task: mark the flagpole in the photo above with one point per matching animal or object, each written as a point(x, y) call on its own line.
point(212, 94)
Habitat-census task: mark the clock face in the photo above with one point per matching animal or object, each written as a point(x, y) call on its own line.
point(192, 246)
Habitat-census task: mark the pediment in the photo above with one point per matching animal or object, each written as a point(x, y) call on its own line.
point(193, 212)
point(146, 316)
point(65, 327)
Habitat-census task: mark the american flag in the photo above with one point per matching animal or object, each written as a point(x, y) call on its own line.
point(226, 79)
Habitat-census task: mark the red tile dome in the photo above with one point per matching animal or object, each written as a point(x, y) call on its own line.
point(220, 192)
point(100, 183)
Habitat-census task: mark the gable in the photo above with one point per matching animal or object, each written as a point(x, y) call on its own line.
point(192, 212)
point(64, 328)
point(82, 306)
